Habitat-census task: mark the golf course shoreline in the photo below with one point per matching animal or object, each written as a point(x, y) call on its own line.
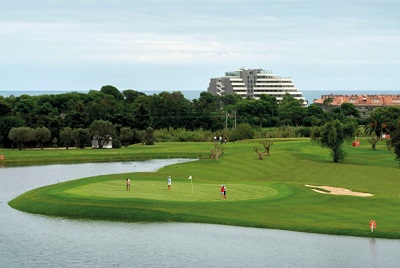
point(271, 193)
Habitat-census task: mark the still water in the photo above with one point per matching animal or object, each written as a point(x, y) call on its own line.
point(38, 241)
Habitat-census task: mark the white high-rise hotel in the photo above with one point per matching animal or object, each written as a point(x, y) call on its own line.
point(254, 82)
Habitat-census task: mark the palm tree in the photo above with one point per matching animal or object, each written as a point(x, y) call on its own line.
point(376, 123)
point(328, 104)
point(393, 125)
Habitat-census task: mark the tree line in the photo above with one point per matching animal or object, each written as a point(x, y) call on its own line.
point(72, 119)
point(138, 111)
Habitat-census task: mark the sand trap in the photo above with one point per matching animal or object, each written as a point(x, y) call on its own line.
point(336, 191)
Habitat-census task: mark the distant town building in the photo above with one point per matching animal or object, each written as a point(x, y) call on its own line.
point(251, 83)
point(364, 103)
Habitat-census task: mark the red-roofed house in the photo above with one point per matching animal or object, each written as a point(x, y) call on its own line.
point(364, 103)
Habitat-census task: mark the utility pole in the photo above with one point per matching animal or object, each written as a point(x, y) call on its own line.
point(226, 121)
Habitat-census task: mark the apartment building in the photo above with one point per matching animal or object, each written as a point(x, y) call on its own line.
point(251, 83)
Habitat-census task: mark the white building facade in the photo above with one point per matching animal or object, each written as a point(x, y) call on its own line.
point(251, 83)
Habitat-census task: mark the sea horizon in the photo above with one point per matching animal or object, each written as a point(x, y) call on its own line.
point(309, 95)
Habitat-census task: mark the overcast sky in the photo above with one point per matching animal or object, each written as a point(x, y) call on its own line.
point(180, 44)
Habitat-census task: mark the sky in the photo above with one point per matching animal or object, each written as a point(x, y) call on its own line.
point(178, 45)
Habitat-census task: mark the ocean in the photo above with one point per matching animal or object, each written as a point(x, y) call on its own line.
point(310, 95)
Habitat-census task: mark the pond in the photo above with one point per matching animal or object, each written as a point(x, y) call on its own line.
point(38, 241)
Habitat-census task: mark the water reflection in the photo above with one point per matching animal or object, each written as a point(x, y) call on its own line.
point(37, 241)
point(373, 250)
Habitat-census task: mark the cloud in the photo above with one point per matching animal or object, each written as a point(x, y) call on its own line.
point(295, 35)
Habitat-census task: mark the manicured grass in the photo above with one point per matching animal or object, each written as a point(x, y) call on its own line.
point(267, 194)
point(73, 155)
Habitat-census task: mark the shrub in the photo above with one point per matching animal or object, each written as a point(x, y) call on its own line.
point(116, 143)
point(242, 132)
point(303, 132)
point(281, 132)
point(182, 135)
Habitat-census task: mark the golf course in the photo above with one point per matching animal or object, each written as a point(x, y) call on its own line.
point(286, 190)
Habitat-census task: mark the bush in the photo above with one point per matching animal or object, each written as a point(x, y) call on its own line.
point(116, 143)
point(242, 132)
point(281, 132)
point(303, 132)
point(149, 136)
point(182, 135)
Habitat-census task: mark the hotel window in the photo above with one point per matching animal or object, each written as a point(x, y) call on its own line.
point(376, 100)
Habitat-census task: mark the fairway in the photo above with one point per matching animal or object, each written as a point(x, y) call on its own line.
point(180, 191)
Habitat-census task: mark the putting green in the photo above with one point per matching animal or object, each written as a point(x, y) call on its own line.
point(180, 191)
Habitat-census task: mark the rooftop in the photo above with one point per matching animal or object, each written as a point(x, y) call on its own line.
point(362, 99)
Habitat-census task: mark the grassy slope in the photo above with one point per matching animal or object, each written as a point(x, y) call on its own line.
point(73, 155)
point(267, 194)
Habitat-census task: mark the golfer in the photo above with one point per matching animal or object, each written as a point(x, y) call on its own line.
point(128, 184)
point(169, 182)
point(222, 191)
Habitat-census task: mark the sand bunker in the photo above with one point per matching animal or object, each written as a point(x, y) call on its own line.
point(336, 191)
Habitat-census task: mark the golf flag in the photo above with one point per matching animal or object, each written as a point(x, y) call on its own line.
point(191, 182)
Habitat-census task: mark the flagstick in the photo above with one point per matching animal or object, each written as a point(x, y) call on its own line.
point(191, 181)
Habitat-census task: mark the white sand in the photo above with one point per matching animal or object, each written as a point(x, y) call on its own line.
point(337, 191)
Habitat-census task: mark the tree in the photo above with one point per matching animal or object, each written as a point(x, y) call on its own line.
point(217, 151)
point(264, 110)
point(42, 135)
point(332, 135)
point(373, 141)
point(170, 110)
point(258, 153)
point(126, 135)
point(290, 111)
point(376, 123)
point(242, 132)
point(392, 114)
point(81, 137)
point(143, 118)
point(102, 131)
point(21, 136)
point(66, 136)
point(205, 114)
point(149, 136)
point(111, 90)
point(395, 143)
point(6, 124)
point(327, 104)
point(314, 117)
point(267, 146)
point(24, 109)
point(73, 116)
point(5, 108)
point(130, 95)
point(349, 110)
point(101, 106)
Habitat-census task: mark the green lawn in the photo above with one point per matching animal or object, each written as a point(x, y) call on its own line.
point(268, 194)
point(73, 155)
